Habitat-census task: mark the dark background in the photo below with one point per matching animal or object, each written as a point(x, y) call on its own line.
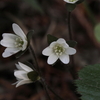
point(48, 17)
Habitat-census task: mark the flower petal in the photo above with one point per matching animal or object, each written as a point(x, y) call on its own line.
point(23, 82)
point(70, 51)
point(25, 67)
point(8, 40)
point(20, 74)
point(53, 44)
point(10, 51)
point(72, 2)
point(52, 59)
point(47, 51)
point(18, 31)
point(64, 58)
point(18, 67)
point(61, 40)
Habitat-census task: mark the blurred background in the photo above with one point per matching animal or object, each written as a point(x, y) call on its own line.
point(48, 17)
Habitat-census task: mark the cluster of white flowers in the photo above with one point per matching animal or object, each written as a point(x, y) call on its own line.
point(71, 1)
point(18, 42)
point(58, 50)
point(14, 42)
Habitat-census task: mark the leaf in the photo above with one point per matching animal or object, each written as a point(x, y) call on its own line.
point(71, 43)
point(89, 82)
point(51, 38)
point(70, 7)
point(33, 75)
point(97, 32)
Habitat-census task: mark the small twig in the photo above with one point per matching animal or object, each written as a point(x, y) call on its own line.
point(72, 69)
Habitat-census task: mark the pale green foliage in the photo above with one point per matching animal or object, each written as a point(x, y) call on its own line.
point(89, 82)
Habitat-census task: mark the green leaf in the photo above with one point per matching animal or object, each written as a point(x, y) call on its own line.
point(70, 7)
point(51, 38)
point(97, 32)
point(89, 82)
point(71, 43)
point(79, 1)
point(33, 75)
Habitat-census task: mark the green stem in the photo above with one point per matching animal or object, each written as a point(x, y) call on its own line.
point(72, 69)
point(35, 64)
point(38, 69)
point(69, 26)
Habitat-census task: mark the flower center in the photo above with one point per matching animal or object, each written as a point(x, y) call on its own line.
point(58, 49)
point(18, 42)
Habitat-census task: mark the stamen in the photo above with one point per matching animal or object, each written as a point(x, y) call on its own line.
point(58, 49)
point(18, 42)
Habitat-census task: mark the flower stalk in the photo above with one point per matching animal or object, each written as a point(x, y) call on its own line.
point(39, 71)
point(72, 69)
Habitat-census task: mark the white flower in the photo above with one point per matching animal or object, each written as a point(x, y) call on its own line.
point(71, 1)
point(14, 42)
point(21, 74)
point(58, 50)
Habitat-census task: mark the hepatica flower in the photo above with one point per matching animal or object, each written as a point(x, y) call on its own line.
point(14, 42)
point(71, 1)
point(23, 73)
point(58, 50)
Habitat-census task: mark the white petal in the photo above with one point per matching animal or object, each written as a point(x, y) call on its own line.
point(47, 51)
point(18, 31)
point(53, 44)
point(18, 67)
point(52, 59)
point(10, 51)
point(16, 82)
point(61, 40)
point(23, 82)
point(9, 36)
point(70, 51)
point(72, 2)
point(25, 67)
point(8, 40)
point(64, 58)
point(21, 74)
